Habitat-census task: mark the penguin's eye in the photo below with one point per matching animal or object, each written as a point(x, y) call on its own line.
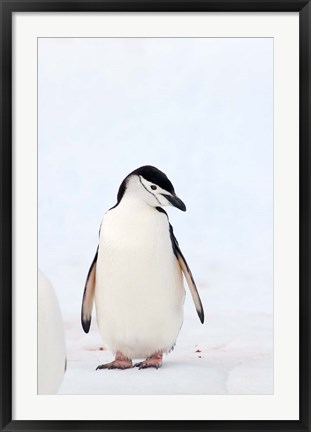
point(153, 187)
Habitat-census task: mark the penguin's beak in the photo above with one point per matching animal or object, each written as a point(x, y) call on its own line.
point(175, 201)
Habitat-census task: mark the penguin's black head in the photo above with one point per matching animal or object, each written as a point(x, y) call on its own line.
point(151, 185)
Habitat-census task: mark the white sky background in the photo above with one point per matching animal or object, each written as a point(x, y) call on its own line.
point(201, 110)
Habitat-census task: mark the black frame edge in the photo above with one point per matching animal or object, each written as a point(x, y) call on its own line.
point(157, 5)
point(8, 7)
point(156, 425)
point(6, 216)
point(304, 213)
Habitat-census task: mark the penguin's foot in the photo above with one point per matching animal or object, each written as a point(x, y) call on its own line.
point(154, 361)
point(120, 362)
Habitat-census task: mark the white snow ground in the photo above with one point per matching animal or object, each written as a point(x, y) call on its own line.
point(201, 110)
point(230, 354)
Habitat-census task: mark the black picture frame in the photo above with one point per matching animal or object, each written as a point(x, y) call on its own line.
point(7, 8)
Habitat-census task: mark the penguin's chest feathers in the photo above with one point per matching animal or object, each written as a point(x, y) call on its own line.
point(135, 253)
point(142, 238)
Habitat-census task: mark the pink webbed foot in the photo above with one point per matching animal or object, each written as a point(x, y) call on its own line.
point(154, 361)
point(120, 362)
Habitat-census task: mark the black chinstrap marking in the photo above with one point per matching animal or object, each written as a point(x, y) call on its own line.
point(148, 190)
point(150, 173)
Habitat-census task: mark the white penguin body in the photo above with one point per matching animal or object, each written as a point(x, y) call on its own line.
point(51, 339)
point(136, 277)
point(139, 291)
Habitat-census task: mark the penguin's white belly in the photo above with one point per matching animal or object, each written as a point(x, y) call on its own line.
point(139, 291)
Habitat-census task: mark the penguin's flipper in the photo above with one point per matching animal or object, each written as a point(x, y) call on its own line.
point(188, 275)
point(88, 296)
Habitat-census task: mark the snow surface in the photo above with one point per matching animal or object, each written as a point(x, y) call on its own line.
point(201, 110)
point(230, 354)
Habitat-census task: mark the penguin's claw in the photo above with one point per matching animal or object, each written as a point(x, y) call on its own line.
point(116, 364)
point(148, 363)
point(154, 361)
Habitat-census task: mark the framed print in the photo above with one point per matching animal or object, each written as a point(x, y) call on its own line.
point(155, 215)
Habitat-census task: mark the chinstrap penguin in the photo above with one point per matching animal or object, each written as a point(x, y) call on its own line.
point(136, 277)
